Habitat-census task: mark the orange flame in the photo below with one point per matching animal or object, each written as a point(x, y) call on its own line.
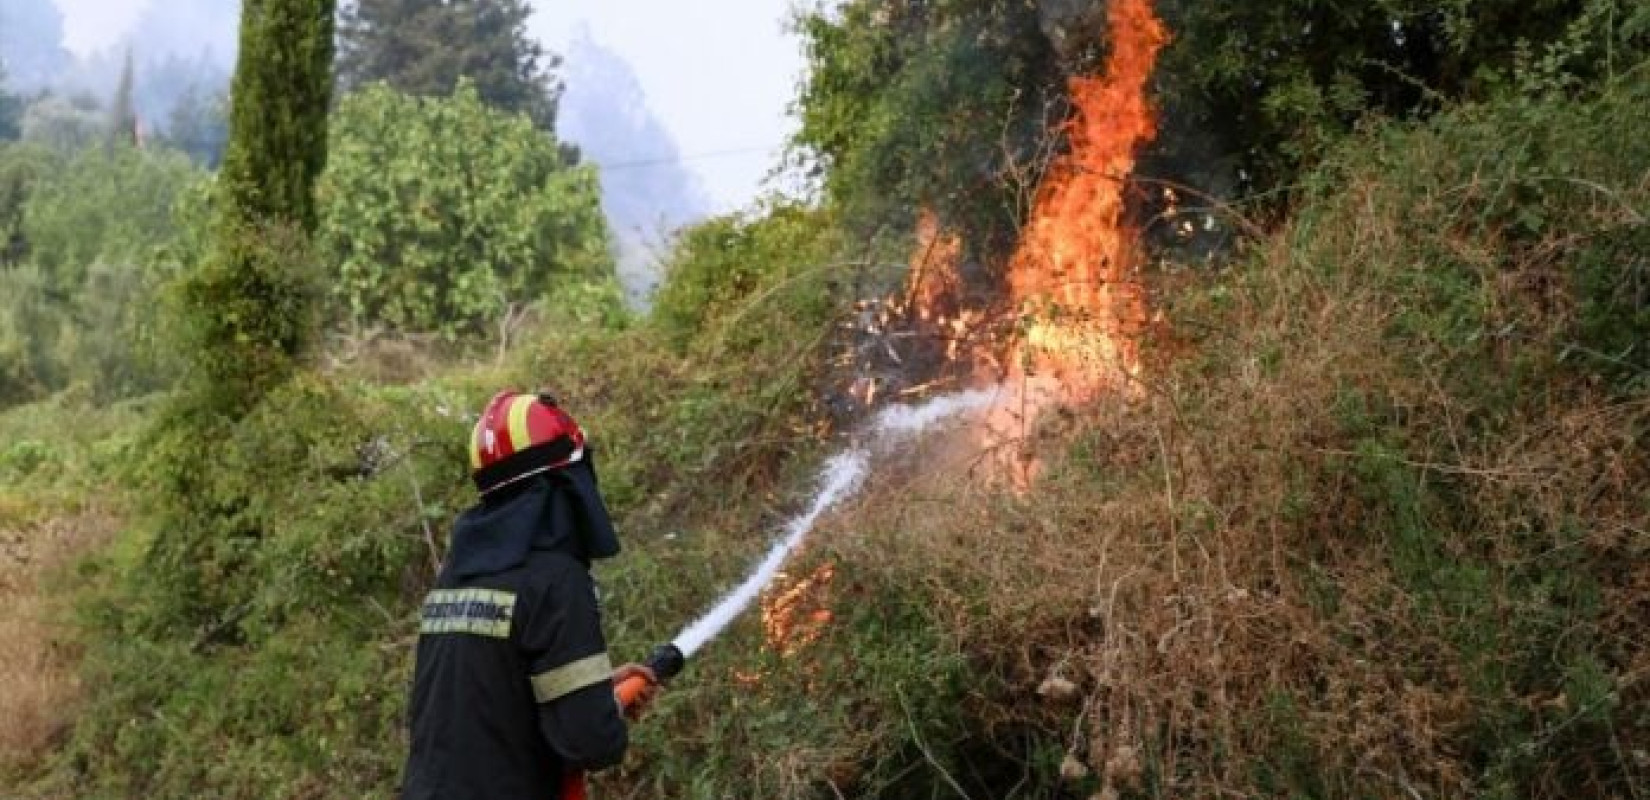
point(933, 299)
point(1073, 284)
point(1073, 274)
point(795, 614)
point(934, 288)
point(1073, 278)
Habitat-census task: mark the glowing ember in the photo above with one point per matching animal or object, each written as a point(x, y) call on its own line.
point(933, 301)
point(794, 612)
point(934, 289)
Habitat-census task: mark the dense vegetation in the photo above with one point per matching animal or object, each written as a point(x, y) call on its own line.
point(943, 106)
point(83, 264)
point(1283, 82)
point(1373, 525)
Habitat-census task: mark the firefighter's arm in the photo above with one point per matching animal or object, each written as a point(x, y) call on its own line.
point(571, 674)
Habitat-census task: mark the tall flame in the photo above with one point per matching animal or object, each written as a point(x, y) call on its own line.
point(1072, 284)
point(1073, 276)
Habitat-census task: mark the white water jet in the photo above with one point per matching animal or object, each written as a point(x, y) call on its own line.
point(904, 421)
point(838, 479)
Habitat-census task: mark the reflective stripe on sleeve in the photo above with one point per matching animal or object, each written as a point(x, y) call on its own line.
point(568, 678)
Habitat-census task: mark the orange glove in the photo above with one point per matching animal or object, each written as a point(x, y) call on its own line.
point(634, 705)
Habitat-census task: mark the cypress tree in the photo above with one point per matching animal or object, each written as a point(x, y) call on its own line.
point(249, 307)
point(278, 111)
point(123, 123)
point(247, 310)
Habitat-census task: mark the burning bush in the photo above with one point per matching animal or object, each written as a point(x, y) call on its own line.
point(1380, 532)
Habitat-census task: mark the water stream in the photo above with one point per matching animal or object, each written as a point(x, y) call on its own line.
point(839, 478)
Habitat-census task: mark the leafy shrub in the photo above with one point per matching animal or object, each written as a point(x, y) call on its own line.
point(271, 599)
point(21, 166)
point(109, 205)
point(1284, 82)
point(64, 124)
point(28, 325)
point(246, 314)
point(716, 384)
point(20, 459)
point(1557, 190)
point(1368, 535)
point(943, 106)
point(59, 456)
point(723, 264)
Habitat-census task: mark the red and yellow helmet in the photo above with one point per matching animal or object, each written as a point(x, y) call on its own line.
point(520, 435)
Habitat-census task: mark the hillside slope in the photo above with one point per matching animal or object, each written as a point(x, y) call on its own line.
point(1368, 519)
point(1374, 526)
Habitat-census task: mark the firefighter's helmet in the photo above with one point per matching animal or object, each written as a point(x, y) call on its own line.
point(520, 435)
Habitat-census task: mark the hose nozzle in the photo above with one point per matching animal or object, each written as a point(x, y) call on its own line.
point(666, 661)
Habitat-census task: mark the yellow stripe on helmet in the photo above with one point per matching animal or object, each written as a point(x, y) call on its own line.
point(475, 444)
point(520, 438)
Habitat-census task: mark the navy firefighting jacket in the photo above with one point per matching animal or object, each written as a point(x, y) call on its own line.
point(513, 685)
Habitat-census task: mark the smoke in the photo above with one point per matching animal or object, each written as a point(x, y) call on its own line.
point(183, 54)
point(646, 192)
point(31, 44)
point(207, 30)
point(900, 421)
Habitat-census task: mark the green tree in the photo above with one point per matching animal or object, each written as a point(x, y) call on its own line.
point(64, 123)
point(22, 165)
point(1282, 81)
point(110, 206)
point(80, 279)
point(423, 48)
point(444, 215)
point(944, 106)
point(29, 325)
point(949, 104)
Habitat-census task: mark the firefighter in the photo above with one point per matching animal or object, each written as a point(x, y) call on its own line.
point(513, 690)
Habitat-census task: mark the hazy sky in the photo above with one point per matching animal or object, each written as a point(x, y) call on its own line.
point(718, 73)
